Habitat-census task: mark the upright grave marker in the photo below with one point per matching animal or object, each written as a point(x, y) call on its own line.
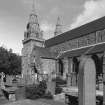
point(2, 80)
point(87, 82)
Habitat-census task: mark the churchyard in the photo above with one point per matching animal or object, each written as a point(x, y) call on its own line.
point(82, 83)
point(15, 91)
point(54, 92)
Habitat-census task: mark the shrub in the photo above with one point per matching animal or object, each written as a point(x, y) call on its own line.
point(36, 91)
point(58, 90)
point(48, 95)
point(99, 100)
point(5, 94)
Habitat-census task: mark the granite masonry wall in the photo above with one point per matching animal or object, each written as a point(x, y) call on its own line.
point(86, 40)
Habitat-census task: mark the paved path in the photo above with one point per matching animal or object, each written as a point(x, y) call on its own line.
point(3, 100)
point(36, 102)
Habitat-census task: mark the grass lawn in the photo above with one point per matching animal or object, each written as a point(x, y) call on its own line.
point(3, 100)
point(51, 102)
point(35, 102)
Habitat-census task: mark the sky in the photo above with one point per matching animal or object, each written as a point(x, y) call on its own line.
point(14, 15)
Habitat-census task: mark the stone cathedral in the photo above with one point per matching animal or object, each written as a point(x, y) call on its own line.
point(60, 55)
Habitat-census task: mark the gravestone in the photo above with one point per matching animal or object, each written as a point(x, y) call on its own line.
point(12, 97)
point(51, 87)
point(20, 92)
point(74, 79)
point(69, 80)
point(70, 69)
point(2, 80)
point(9, 79)
point(87, 82)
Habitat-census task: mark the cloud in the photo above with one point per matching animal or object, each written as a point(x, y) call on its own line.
point(48, 29)
point(93, 9)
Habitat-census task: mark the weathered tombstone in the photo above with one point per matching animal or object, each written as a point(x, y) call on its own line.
point(87, 82)
point(9, 80)
point(68, 80)
point(20, 92)
point(12, 96)
point(70, 69)
point(2, 80)
point(51, 86)
point(74, 79)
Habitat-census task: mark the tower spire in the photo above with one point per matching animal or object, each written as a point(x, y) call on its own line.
point(33, 6)
point(58, 29)
point(33, 27)
point(58, 21)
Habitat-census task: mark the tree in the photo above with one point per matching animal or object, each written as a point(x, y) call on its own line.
point(10, 63)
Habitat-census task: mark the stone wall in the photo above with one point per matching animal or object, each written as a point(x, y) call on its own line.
point(89, 39)
point(49, 66)
point(26, 58)
point(86, 40)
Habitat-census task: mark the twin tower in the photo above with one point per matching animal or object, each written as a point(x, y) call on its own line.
point(33, 36)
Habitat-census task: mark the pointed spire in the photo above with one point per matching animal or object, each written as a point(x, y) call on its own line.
point(33, 7)
point(33, 27)
point(58, 29)
point(58, 21)
point(33, 16)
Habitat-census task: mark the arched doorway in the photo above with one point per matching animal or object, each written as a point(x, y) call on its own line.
point(99, 71)
point(98, 63)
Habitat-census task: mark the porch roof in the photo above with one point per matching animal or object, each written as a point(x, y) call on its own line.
point(44, 53)
point(96, 48)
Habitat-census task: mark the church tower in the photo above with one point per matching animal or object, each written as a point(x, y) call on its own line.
point(33, 31)
point(58, 29)
point(33, 36)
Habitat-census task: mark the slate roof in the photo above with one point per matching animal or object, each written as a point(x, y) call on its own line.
point(93, 26)
point(44, 53)
point(97, 48)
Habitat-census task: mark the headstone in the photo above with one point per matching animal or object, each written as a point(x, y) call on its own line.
point(87, 82)
point(69, 80)
point(9, 79)
point(51, 86)
point(12, 97)
point(2, 80)
point(20, 93)
point(69, 75)
point(74, 79)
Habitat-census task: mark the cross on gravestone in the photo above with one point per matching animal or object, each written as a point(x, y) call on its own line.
point(87, 82)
